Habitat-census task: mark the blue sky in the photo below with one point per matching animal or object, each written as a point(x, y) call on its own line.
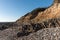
point(11, 10)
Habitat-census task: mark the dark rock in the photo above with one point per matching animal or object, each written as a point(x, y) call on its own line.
point(46, 24)
point(21, 34)
point(3, 27)
point(36, 27)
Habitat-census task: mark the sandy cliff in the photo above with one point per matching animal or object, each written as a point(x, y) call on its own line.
point(42, 15)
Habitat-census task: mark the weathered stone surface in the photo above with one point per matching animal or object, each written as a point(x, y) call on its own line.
point(44, 34)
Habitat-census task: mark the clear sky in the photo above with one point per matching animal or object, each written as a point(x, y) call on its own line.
point(11, 10)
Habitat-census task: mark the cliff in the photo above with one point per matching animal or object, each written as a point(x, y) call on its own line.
point(39, 24)
point(41, 14)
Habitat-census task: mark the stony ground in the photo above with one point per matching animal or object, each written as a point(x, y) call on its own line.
point(43, 34)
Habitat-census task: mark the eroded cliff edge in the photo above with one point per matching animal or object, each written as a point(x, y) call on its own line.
point(38, 15)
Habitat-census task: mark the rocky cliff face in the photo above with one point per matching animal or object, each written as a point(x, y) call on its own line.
point(40, 18)
point(26, 19)
point(40, 24)
point(41, 14)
